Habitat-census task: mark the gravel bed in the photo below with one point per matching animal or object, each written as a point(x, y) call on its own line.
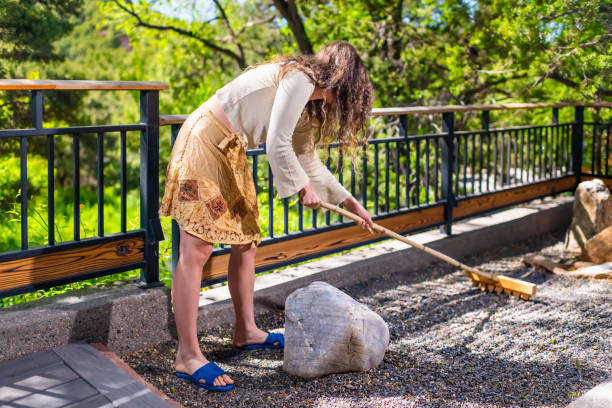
point(451, 345)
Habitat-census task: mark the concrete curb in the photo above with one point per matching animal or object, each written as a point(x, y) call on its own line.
point(128, 318)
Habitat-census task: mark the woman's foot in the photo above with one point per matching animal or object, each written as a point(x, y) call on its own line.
point(246, 337)
point(189, 364)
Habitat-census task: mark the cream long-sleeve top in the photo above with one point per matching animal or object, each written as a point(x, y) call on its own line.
point(268, 111)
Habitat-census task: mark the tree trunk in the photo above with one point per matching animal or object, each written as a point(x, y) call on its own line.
point(289, 11)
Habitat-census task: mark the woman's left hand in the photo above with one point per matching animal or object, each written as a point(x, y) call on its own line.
point(309, 197)
point(353, 206)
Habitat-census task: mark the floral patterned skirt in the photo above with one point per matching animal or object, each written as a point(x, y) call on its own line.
point(209, 186)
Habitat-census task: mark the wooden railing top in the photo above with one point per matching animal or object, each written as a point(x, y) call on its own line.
point(422, 110)
point(172, 119)
point(59, 84)
point(467, 108)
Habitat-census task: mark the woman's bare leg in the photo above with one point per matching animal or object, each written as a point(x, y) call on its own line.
point(241, 282)
point(194, 253)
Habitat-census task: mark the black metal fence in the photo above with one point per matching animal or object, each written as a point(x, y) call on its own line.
point(396, 174)
point(406, 173)
point(81, 258)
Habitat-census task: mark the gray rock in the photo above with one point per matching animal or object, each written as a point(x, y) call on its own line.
point(592, 214)
point(327, 331)
point(598, 397)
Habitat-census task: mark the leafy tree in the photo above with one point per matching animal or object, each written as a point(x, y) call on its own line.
point(289, 10)
point(226, 34)
point(418, 51)
point(28, 29)
point(449, 51)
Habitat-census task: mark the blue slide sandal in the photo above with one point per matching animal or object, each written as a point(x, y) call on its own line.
point(208, 373)
point(269, 343)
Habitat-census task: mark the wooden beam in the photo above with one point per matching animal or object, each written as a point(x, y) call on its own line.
point(277, 253)
point(63, 264)
point(499, 199)
point(32, 84)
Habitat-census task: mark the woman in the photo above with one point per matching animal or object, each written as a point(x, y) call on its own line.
point(209, 186)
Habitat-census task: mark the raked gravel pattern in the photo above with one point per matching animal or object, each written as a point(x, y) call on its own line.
point(451, 345)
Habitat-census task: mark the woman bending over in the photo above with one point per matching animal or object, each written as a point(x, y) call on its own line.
point(209, 185)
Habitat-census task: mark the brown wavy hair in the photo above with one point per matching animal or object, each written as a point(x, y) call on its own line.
point(338, 68)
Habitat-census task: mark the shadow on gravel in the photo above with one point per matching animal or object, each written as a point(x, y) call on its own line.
point(405, 376)
point(484, 379)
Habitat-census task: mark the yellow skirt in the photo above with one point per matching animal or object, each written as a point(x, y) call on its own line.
point(209, 186)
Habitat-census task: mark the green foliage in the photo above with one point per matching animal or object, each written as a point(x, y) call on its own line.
point(105, 281)
point(29, 32)
point(10, 218)
point(30, 27)
point(10, 196)
point(429, 52)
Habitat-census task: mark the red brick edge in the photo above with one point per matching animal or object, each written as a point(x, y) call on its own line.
point(125, 367)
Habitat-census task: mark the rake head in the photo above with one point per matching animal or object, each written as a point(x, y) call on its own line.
point(502, 284)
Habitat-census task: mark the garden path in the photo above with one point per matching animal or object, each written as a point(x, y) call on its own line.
point(73, 375)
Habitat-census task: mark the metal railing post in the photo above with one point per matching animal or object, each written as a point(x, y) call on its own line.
point(36, 104)
point(448, 126)
point(149, 186)
point(403, 132)
point(36, 118)
point(554, 155)
point(176, 243)
point(577, 141)
point(485, 120)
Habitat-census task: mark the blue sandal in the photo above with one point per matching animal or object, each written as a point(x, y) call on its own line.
point(208, 373)
point(269, 343)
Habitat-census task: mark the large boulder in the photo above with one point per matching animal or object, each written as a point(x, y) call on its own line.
point(599, 248)
point(592, 214)
point(327, 331)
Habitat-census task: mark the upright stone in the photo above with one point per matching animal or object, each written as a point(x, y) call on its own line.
point(327, 331)
point(592, 214)
point(599, 248)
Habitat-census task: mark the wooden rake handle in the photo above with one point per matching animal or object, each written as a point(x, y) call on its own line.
point(476, 274)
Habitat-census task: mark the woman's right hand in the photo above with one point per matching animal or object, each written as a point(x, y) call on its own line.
point(356, 208)
point(309, 197)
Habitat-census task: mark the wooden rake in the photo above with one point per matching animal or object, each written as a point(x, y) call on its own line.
point(486, 280)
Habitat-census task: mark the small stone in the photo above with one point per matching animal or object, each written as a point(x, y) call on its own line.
point(592, 213)
point(327, 331)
